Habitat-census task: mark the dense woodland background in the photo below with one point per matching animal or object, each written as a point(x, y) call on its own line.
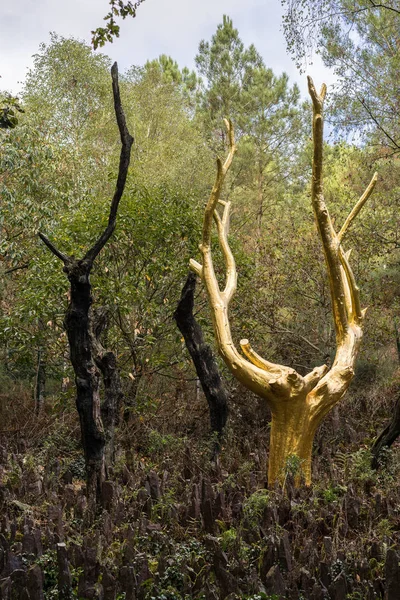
point(179, 520)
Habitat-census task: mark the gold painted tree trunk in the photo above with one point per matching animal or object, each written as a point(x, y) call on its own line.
point(298, 404)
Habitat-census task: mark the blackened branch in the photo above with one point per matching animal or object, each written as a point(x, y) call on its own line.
point(17, 268)
point(53, 249)
point(125, 156)
point(395, 146)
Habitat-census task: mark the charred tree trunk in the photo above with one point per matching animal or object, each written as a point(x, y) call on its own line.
point(388, 435)
point(87, 376)
point(106, 361)
point(83, 351)
point(206, 367)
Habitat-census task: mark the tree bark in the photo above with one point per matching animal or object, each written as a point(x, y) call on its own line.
point(87, 376)
point(206, 367)
point(291, 437)
point(106, 361)
point(387, 436)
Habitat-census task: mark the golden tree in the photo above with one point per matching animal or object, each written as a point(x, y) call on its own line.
point(298, 404)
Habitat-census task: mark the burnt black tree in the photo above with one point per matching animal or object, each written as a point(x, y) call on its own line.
point(206, 367)
point(78, 325)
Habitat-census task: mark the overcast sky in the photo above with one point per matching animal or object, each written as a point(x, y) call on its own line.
point(173, 27)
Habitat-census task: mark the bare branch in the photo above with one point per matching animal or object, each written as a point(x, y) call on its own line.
point(328, 236)
point(396, 146)
point(311, 379)
point(17, 268)
point(196, 267)
point(354, 290)
point(317, 99)
point(222, 170)
point(260, 362)
point(124, 160)
point(294, 333)
point(223, 230)
point(53, 249)
point(358, 207)
point(385, 6)
point(250, 374)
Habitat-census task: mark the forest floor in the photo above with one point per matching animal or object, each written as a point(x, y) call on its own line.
point(175, 525)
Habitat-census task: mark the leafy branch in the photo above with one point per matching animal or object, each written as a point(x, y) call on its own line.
point(9, 107)
point(121, 9)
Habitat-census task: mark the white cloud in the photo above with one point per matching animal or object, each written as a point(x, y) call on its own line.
point(173, 27)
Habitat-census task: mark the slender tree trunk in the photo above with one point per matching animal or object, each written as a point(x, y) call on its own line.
point(206, 367)
point(106, 361)
point(87, 376)
point(260, 202)
point(40, 382)
point(131, 395)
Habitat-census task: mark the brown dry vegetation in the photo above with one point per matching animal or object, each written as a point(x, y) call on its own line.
point(174, 525)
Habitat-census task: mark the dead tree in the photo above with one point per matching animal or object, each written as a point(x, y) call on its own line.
point(298, 404)
point(206, 367)
point(77, 320)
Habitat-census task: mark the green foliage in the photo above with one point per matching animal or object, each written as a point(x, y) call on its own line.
point(255, 505)
point(102, 35)
point(227, 67)
point(161, 444)
point(48, 563)
point(356, 39)
point(58, 174)
point(228, 539)
point(360, 465)
point(332, 493)
point(183, 573)
point(12, 478)
point(354, 596)
point(68, 96)
point(384, 528)
point(9, 108)
point(41, 186)
point(168, 71)
point(293, 465)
